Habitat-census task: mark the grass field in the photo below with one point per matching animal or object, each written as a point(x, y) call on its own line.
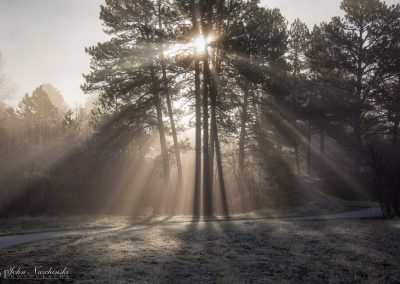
point(263, 251)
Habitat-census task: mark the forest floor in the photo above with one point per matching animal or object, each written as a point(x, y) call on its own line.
point(319, 204)
point(247, 251)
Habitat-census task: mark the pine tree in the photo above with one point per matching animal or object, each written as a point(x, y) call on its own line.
point(349, 56)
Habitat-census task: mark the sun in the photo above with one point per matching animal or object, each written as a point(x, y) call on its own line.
point(198, 46)
point(201, 43)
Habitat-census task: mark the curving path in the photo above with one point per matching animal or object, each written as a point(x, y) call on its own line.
point(14, 240)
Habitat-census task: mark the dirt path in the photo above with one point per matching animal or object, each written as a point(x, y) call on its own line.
point(14, 240)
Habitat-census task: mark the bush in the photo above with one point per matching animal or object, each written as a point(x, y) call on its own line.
point(384, 167)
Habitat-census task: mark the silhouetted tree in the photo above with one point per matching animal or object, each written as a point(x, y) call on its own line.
point(350, 55)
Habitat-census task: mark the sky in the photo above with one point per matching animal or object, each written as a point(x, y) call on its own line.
point(43, 41)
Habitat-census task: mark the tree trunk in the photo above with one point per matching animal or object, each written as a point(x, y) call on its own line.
point(212, 143)
point(207, 192)
point(359, 92)
point(161, 128)
point(309, 149)
point(395, 134)
point(163, 142)
point(206, 24)
point(224, 201)
point(173, 128)
point(243, 132)
point(169, 106)
point(214, 129)
point(322, 140)
point(296, 157)
point(197, 170)
point(357, 127)
point(197, 174)
point(213, 132)
point(242, 138)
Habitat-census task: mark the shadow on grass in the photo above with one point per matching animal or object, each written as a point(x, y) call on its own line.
point(296, 251)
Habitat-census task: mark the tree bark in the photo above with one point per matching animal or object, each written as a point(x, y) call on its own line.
point(296, 157)
point(173, 128)
point(242, 137)
point(395, 134)
point(309, 148)
point(212, 144)
point(322, 140)
point(161, 128)
point(224, 200)
point(359, 92)
point(214, 93)
point(197, 174)
point(197, 170)
point(243, 131)
point(206, 25)
point(169, 106)
point(207, 192)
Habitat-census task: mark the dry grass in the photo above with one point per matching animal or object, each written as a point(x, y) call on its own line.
point(357, 251)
